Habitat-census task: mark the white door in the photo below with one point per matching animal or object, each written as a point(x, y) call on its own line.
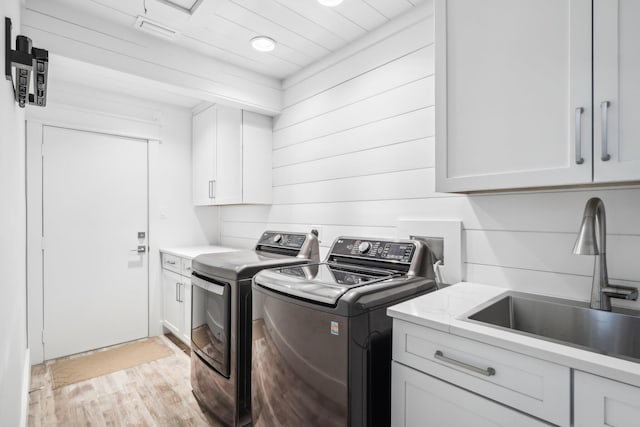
point(616, 68)
point(94, 205)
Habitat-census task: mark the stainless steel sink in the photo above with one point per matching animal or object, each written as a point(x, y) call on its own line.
point(568, 322)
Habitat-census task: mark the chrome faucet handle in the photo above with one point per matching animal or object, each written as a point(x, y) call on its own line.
point(622, 292)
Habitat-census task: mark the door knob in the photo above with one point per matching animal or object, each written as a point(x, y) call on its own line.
point(140, 249)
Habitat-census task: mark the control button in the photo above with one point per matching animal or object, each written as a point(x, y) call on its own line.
point(364, 247)
point(277, 238)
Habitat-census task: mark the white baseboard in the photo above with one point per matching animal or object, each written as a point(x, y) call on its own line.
point(26, 385)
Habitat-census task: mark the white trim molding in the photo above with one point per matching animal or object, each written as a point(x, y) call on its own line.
point(26, 386)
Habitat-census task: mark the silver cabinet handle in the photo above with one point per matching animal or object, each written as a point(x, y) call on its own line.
point(178, 291)
point(181, 292)
point(579, 159)
point(604, 107)
point(170, 262)
point(487, 371)
point(140, 249)
point(212, 193)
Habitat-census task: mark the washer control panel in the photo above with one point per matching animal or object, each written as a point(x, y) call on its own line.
point(381, 250)
point(285, 240)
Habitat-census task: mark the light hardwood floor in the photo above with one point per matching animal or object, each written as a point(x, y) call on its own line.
point(153, 394)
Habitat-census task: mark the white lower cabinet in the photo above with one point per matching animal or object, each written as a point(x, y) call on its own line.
point(444, 380)
point(176, 296)
point(600, 401)
point(420, 400)
point(186, 304)
point(172, 306)
point(527, 384)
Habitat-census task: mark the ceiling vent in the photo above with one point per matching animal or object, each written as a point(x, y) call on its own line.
point(155, 28)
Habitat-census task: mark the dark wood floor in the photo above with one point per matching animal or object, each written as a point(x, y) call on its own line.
point(153, 394)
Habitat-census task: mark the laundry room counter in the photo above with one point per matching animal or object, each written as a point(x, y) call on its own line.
point(190, 252)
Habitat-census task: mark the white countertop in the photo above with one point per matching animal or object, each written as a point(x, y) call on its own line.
point(191, 252)
point(445, 309)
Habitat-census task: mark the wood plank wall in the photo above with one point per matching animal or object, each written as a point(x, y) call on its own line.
point(354, 151)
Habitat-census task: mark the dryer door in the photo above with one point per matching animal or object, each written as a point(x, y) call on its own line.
point(211, 322)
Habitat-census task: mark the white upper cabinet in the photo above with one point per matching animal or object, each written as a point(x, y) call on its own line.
point(616, 70)
point(257, 142)
point(518, 92)
point(513, 93)
point(231, 157)
point(227, 184)
point(203, 150)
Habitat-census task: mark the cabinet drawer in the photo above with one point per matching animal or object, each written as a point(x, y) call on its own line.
point(185, 267)
point(602, 402)
point(531, 385)
point(171, 262)
point(418, 399)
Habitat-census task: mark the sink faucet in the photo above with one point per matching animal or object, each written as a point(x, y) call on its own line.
point(586, 244)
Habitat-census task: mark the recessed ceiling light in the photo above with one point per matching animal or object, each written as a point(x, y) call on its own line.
point(330, 3)
point(263, 43)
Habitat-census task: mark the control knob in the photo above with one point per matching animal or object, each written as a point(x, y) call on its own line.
point(364, 247)
point(277, 238)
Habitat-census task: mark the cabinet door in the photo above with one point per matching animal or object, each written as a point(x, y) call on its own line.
point(513, 93)
point(203, 162)
point(172, 307)
point(257, 135)
point(528, 384)
point(228, 181)
point(186, 304)
point(602, 402)
point(616, 90)
point(419, 400)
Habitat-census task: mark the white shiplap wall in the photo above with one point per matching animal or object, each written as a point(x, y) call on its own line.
point(354, 151)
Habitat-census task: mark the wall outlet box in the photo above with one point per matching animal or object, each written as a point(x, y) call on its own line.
point(449, 230)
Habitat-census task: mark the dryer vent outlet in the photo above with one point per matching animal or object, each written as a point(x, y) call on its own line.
point(436, 246)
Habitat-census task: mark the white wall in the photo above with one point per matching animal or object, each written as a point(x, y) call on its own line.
point(173, 220)
point(354, 151)
point(14, 356)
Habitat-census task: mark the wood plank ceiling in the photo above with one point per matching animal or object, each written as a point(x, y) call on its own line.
point(304, 30)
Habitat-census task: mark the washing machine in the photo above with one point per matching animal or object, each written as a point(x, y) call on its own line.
point(321, 340)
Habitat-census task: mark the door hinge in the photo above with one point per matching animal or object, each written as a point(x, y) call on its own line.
point(42, 243)
point(43, 336)
point(42, 149)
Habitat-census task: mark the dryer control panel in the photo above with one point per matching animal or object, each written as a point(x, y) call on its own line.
point(285, 240)
point(380, 250)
